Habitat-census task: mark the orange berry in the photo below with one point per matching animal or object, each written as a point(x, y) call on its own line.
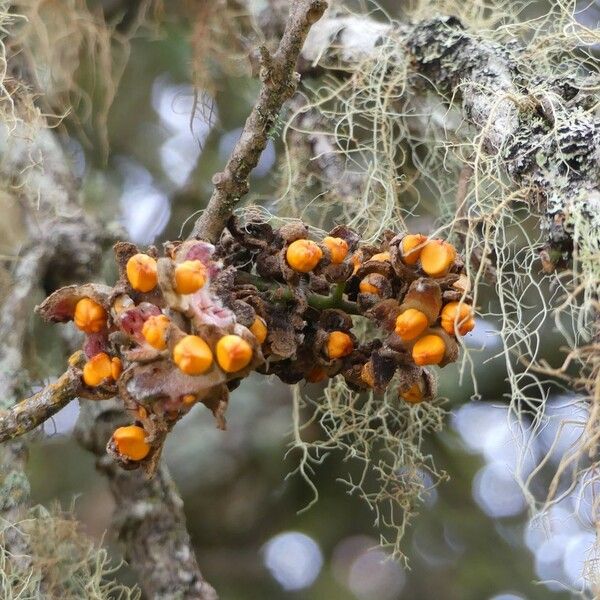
point(116, 367)
point(411, 247)
point(316, 374)
point(429, 350)
point(259, 330)
point(381, 256)
point(188, 400)
point(368, 285)
point(437, 257)
point(413, 395)
point(303, 255)
point(192, 355)
point(142, 272)
point(131, 442)
point(233, 353)
point(89, 316)
point(367, 375)
point(155, 331)
point(356, 261)
point(338, 248)
point(339, 344)
point(410, 324)
point(190, 276)
point(460, 314)
point(97, 370)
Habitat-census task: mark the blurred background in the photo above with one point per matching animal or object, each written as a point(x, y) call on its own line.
point(473, 537)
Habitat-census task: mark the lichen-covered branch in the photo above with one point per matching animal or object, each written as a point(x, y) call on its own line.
point(279, 80)
point(33, 411)
point(149, 517)
point(549, 144)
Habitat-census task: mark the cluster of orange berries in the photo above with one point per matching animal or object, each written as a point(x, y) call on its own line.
point(188, 326)
point(411, 286)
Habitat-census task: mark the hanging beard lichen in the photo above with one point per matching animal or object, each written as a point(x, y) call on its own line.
point(493, 144)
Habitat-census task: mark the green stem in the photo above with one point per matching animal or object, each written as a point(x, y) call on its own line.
point(281, 293)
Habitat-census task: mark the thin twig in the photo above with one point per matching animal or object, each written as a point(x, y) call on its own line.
point(279, 81)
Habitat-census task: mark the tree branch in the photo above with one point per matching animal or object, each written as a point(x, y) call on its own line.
point(32, 412)
point(279, 81)
point(149, 518)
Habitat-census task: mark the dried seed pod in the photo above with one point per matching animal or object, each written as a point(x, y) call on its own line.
point(424, 295)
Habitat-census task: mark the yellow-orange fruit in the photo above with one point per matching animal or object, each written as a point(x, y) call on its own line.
point(413, 394)
point(142, 272)
point(315, 375)
point(367, 375)
point(460, 314)
point(233, 353)
point(116, 367)
point(356, 261)
point(131, 442)
point(437, 257)
point(89, 316)
point(381, 256)
point(259, 329)
point(410, 324)
point(188, 399)
point(155, 331)
point(429, 350)
point(337, 247)
point(411, 247)
point(192, 355)
point(339, 344)
point(303, 255)
point(366, 286)
point(97, 370)
point(190, 276)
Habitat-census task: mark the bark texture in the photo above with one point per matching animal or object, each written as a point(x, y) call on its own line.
point(279, 81)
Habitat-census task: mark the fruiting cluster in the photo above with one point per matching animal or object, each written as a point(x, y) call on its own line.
point(188, 326)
